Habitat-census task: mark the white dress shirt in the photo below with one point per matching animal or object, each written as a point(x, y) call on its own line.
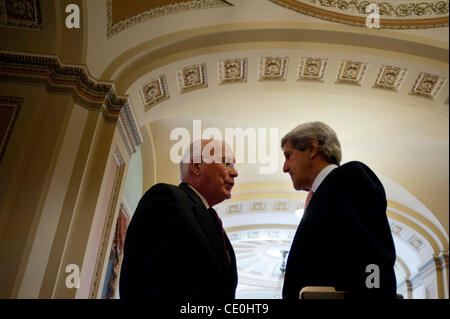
point(321, 176)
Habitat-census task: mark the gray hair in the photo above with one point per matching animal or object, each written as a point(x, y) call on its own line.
point(188, 157)
point(194, 154)
point(302, 136)
point(184, 170)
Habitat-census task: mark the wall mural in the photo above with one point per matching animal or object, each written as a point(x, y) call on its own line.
point(115, 258)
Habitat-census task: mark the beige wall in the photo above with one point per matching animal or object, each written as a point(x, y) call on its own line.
point(28, 168)
point(57, 195)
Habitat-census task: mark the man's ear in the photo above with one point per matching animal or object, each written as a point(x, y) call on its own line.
point(313, 149)
point(195, 168)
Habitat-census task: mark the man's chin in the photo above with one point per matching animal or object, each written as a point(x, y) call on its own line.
point(227, 194)
point(294, 185)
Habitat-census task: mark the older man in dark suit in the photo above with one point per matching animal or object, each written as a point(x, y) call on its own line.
point(344, 239)
point(175, 246)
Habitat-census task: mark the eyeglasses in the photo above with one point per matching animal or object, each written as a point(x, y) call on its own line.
point(229, 165)
point(227, 162)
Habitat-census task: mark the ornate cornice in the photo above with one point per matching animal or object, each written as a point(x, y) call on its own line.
point(405, 15)
point(61, 78)
point(74, 80)
point(128, 129)
point(402, 10)
point(310, 68)
point(171, 8)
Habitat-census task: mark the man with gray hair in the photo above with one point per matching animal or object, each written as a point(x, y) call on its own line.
point(175, 245)
point(344, 239)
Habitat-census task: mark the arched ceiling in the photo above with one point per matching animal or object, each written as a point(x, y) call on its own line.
point(284, 68)
point(395, 14)
point(107, 53)
point(273, 64)
point(121, 15)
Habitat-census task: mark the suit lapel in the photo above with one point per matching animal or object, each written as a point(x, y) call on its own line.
point(232, 268)
point(208, 226)
point(317, 193)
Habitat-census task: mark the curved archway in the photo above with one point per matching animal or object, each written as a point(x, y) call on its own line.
point(385, 134)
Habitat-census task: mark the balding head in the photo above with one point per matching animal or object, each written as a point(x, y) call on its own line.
point(208, 165)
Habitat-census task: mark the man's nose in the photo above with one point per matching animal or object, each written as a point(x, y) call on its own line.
point(285, 167)
point(234, 172)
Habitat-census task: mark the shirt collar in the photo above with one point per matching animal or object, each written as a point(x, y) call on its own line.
point(200, 195)
point(321, 176)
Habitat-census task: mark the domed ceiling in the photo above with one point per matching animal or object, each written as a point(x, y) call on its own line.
point(123, 14)
point(395, 14)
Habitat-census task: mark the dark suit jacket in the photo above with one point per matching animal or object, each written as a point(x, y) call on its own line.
point(344, 229)
point(173, 249)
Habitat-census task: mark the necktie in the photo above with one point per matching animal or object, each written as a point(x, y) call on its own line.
point(308, 198)
point(219, 227)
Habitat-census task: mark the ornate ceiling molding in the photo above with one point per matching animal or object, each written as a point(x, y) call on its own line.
point(171, 8)
point(258, 246)
point(74, 80)
point(272, 68)
point(411, 237)
point(401, 15)
point(258, 254)
point(415, 230)
point(22, 14)
point(268, 206)
point(234, 70)
point(192, 78)
point(390, 77)
point(154, 92)
point(312, 69)
point(148, 57)
point(131, 134)
point(351, 72)
point(428, 85)
point(61, 78)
